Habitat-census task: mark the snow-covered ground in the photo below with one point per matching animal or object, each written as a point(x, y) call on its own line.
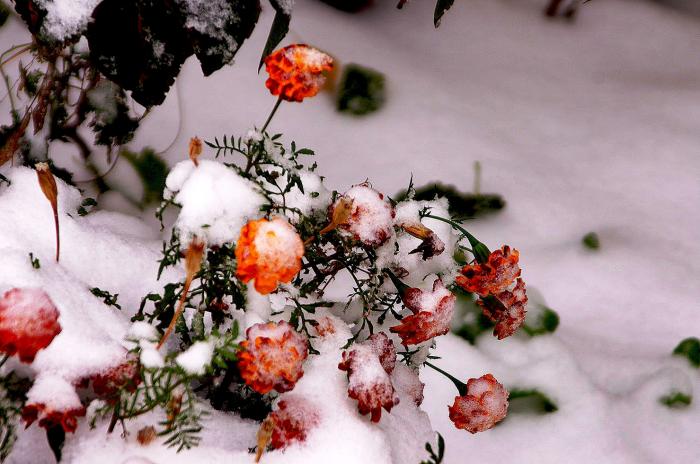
point(590, 126)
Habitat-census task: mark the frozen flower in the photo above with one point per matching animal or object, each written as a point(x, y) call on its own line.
point(269, 252)
point(484, 404)
point(272, 357)
point(292, 419)
point(432, 313)
point(50, 418)
point(296, 71)
point(493, 276)
point(368, 380)
point(28, 322)
point(370, 217)
point(506, 309)
point(324, 326)
point(126, 375)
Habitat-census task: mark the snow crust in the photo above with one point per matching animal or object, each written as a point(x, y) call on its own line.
point(65, 18)
point(216, 202)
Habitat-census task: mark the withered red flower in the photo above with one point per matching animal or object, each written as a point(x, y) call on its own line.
point(431, 244)
point(49, 418)
point(493, 276)
point(485, 404)
point(368, 379)
point(269, 252)
point(432, 313)
point(506, 309)
point(272, 357)
point(293, 419)
point(28, 322)
point(125, 375)
point(297, 71)
point(370, 218)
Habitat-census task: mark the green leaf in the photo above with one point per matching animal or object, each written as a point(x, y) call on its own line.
point(152, 170)
point(689, 349)
point(591, 241)
point(440, 8)
point(676, 400)
point(461, 204)
point(36, 264)
point(530, 400)
point(279, 29)
point(545, 321)
point(361, 90)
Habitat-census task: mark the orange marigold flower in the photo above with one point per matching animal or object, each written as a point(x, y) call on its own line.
point(432, 313)
point(506, 309)
point(126, 375)
point(296, 71)
point(485, 404)
point(293, 419)
point(493, 276)
point(370, 218)
point(368, 378)
point(28, 322)
point(269, 252)
point(272, 357)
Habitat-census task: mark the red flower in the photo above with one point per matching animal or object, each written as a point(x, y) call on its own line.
point(492, 277)
point(269, 252)
point(49, 418)
point(368, 378)
point(506, 309)
point(370, 219)
point(293, 419)
point(28, 322)
point(296, 71)
point(272, 357)
point(126, 376)
point(485, 404)
point(432, 313)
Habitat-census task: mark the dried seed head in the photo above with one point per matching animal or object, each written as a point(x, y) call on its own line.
point(47, 183)
point(146, 435)
point(264, 436)
point(195, 149)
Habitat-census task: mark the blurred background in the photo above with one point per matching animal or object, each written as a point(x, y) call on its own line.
point(585, 122)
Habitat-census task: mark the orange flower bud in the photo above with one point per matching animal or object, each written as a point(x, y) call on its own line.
point(195, 149)
point(47, 183)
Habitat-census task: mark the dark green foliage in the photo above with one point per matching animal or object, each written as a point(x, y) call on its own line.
point(279, 29)
point(440, 8)
point(152, 170)
point(56, 437)
point(36, 264)
point(530, 400)
point(4, 13)
point(689, 349)
point(435, 458)
point(5, 180)
point(350, 6)
point(86, 203)
point(361, 90)
point(141, 45)
point(108, 298)
point(546, 322)
point(591, 241)
point(112, 123)
point(462, 204)
point(676, 400)
point(13, 390)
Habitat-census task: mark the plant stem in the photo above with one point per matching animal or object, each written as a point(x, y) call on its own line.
point(4, 360)
point(461, 387)
point(481, 251)
point(272, 113)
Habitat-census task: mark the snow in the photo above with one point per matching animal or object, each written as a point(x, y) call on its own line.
point(583, 126)
point(196, 358)
point(371, 216)
point(210, 18)
point(216, 202)
point(65, 18)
